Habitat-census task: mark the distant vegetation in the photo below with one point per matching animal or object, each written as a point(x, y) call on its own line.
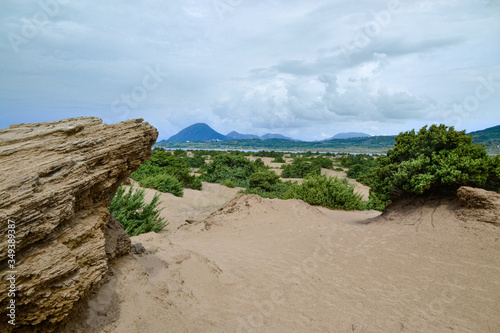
point(436, 159)
point(316, 189)
point(134, 214)
point(489, 137)
point(169, 172)
point(376, 144)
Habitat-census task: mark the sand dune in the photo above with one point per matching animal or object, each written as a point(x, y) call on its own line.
point(261, 265)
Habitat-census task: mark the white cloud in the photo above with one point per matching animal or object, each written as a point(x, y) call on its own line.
point(264, 65)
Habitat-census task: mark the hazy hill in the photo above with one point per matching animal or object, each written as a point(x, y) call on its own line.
point(238, 136)
point(349, 135)
point(197, 132)
point(489, 137)
point(275, 136)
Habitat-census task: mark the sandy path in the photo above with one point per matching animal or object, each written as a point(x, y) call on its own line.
point(261, 265)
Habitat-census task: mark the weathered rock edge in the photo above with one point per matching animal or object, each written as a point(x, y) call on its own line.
point(56, 179)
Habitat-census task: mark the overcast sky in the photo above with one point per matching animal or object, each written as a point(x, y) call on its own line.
point(304, 68)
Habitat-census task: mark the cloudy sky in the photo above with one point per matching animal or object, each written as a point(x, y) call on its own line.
point(304, 68)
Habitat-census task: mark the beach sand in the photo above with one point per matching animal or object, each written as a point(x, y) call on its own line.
point(262, 265)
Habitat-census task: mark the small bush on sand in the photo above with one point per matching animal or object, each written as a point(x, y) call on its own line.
point(134, 214)
point(228, 183)
point(163, 183)
point(333, 193)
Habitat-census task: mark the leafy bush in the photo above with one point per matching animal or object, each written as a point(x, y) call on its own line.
point(162, 162)
point(323, 162)
point(265, 180)
point(279, 159)
point(272, 154)
point(318, 190)
point(300, 168)
point(259, 164)
point(228, 183)
point(333, 193)
point(438, 159)
point(163, 183)
point(197, 161)
point(134, 214)
point(228, 166)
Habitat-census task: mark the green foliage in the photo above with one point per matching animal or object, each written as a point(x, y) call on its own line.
point(333, 193)
point(279, 159)
point(259, 164)
point(438, 159)
point(300, 168)
point(134, 214)
point(493, 182)
point(317, 189)
point(236, 168)
point(374, 144)
point(323, 162)
point(272, 154)
point(228, 183)
point(265, 180)
point(197, 161)
point(161, 163)
point(180, 153)
point(163, 183)
point(360, 167)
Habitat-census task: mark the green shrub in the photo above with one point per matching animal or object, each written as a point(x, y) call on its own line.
point(196, 161)
point(228, 166)
point(323, 162)
point(134, 214)
point(333, 193)
point(259, 164)
point(278, 159)
point(300, 168)
point(265, 180)
point(162, 162)
point(318, 190)
point(228, 183)
point(163, 183)
point(437, 159)
point(272, 154)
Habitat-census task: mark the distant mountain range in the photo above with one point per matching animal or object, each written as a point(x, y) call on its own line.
point(207, 138)
point(349, 135)
point(203, 132)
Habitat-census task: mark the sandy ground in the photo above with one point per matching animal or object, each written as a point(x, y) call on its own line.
point(261, 265)
point(194, 205)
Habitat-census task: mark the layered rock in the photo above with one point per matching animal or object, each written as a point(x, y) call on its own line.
point(479, 205)
point(56, 179)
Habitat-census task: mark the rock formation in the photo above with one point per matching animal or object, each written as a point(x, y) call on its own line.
point(478, 204)
point(56, 179)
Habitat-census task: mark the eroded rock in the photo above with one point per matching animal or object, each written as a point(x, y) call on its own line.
point(478, 204)
point(55, 184)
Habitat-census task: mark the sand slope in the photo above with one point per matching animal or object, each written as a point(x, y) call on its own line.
point(260, 265)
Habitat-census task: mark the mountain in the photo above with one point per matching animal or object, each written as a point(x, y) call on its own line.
point(197, 132)
point(489, 137)
point(349, 135)
point(275, 136)
point(487, 134)
point(238, 136)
